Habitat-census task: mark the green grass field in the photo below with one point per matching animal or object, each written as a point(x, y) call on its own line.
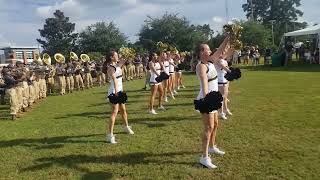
point(273, 134)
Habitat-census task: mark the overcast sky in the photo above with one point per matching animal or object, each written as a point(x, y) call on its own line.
point(21, 19)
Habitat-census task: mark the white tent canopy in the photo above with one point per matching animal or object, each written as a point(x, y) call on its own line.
point(306, 31)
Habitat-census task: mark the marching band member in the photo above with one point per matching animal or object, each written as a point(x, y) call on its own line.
point(50, 78)
point(10, 86)
point(99, 74)
point(77, 76)
point(69, 77)
point(42, 82)
point(87, 75)
point(60, 70)
point(138, 66)
point(115, 95)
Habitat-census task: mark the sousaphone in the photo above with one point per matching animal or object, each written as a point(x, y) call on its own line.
point(84, 58)
point(38, 60)
point(73, 56)
point(59, 58)
point(46, 59)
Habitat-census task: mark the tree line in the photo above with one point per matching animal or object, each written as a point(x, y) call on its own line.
point(58, 33)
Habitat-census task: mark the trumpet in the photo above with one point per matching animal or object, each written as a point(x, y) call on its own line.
point(59, 58)
point(84, 58)
point(46, 59)
point(73, 56)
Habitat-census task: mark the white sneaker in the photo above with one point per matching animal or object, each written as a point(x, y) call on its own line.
point(166, 99)
point(183, 86)
point(198, 111)
point(206, 161)
point(228, 112)
point(161, 108)
point(172, 96)
point(128, 129)
point(216, 150)
point(175, 92)
point(152, 112)
point(223, 116)
point(178, 87)
point(111, 139)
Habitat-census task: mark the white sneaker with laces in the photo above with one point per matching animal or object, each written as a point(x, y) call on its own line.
point(215, 150)
point(152, 112)
point(111, 139)
point(206, 161)
point(128, 129)
point(228, 112)
point(223, 116)
point(161, 108)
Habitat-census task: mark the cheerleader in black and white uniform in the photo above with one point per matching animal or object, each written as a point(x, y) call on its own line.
point(207, 75)
point(179, 61)
point(222, 69)
point(116, 95)
point(155, 70)
point(172, 78)
point(165, 62)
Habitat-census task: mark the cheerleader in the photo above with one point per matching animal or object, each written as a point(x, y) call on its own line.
point(222, 69)
point(172, 74)
point(155, 70)
point(166, 89)
point(207, 75)
point(114, 71)
point(179, 60)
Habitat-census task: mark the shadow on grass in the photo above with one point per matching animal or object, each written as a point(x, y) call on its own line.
point(5, 112)
point(130, 159)
point(290, 68)
point(97, 115)
point(47, 142)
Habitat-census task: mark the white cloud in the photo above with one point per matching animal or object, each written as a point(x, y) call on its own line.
point(69, 7)
point(217, 19)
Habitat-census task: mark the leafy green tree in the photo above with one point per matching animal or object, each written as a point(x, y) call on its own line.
point(101, 37)
point(58, 34)
point(284, 12)
point(255, 34)
point(173, 30)
point(95, 56)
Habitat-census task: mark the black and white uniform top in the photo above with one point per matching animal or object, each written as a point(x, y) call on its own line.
point(179, 62)
point(118, 74)
point(166, 65)
point(153, 75)
point(171, 67)
point(221, 72)
point(212, 79)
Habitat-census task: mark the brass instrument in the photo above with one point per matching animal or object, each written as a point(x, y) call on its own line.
point(46, 59)
point(59, 58)
point(38, 60)
point(73, 56)
point(84, 58)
